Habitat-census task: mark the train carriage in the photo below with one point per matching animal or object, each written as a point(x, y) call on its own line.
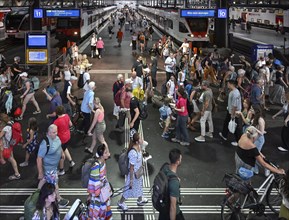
point(170, 22)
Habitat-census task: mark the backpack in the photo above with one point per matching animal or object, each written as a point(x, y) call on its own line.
point(35, 83)
point(117, 97)
point(203, 62)
point(164, 89)
point(123, 162)
point(30, 205)
point(85, 171)
point(80, 82)
point(143, 111)
point(44, 138)
point(16, 137)
point(160, 195)
point(163, 112)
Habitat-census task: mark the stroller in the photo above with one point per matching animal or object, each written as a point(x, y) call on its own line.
point(77, 115)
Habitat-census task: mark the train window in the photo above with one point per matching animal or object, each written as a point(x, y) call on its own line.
point(25, 25)
point(284, 2)
point(259, 20)
point(170, 24)
point(263, 10)
point(266, 22)
point(68, 23)
point(257, 10)
point(198, 24)
point(250, 9)
point(182, 28)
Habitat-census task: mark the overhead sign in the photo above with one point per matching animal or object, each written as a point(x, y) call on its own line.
point(197, 13)
point(222, 13)
point(38, 13)
point(62, 13)
point(36, 56)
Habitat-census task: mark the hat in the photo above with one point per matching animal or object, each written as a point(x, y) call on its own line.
point(73, 78)
point(23, 74)
point(205, 83)
point(128, 81)
point(91, 85)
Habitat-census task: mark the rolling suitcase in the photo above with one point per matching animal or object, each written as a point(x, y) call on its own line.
point(77, 211)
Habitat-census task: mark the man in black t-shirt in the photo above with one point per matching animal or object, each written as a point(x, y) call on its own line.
point(134, 113)
point(138, 67)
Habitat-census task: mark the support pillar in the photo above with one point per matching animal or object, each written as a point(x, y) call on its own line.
point(221, 26)
point(35, 23)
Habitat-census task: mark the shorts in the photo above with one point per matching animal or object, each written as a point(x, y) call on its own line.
point(65, 145)
point(51, 177)
point(167, 121)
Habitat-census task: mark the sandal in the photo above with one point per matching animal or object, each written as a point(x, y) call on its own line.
point(37, 112)
point(19, 118)
point(14, 177)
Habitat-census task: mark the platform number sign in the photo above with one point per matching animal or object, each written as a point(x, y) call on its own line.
point(222, 13)
point(38, 13)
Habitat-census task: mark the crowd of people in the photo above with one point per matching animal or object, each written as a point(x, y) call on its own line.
point(186, 97)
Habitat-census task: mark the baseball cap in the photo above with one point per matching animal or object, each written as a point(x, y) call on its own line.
point(128, 81)
point(23, 74)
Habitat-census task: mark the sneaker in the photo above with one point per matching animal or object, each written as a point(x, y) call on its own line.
point(282, 149)
point(267, 172)
point(221, 135)
point(165, 135)
point(24, 164)
point(200, 139)
point(80, 131)
point(161, 124)
point(143, 202)
point(172, 128)
point(209, 134)
point(234, 143)
point(14, 177)
point(184, 143)
point(86, 150)
point(37, 112)
point(220, 99)
point(72, 163)
point(123, 206)
point(63, 203)
point(173, 118)
point(175, 140)
point(19, 118)
point(61, 172)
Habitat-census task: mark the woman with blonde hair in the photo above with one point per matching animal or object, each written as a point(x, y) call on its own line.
point(99, 126)
point(247, 153)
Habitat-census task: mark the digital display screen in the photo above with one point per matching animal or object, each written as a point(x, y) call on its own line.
point(36, 56)
point(38, 13)
point(62, 13)
point(36, 40)
point(197, 13)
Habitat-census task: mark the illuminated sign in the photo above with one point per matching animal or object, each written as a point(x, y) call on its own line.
point(222, 13)
point(38, 13)
point(197, 13)
point(36, 40)
point(62, 13)
point(36, 56)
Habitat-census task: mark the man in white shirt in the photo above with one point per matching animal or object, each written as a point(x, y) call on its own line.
point(171, 87)
point(185, 47)
point(170, 64)
point(86, 79)
point(137, 82)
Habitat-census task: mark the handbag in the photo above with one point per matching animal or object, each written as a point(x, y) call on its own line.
point(7, 152)
point(105, 192)
point(232, 126)
point(139, 172)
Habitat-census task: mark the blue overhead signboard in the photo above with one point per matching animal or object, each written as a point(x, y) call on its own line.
point(222, 13)
point(197, 13)
point(62, 13)
point(38, 13)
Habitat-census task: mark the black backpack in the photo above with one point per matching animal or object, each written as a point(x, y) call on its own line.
point(160, 195)
point(80, 82)
point(203, 62)
point(143, 111)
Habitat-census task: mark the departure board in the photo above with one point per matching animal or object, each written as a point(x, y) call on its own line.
point(62, 13)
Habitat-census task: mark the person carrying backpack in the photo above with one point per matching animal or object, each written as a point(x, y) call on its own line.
point(166, 192)
point(6, 148)
point(42, 204)
point(48, 158)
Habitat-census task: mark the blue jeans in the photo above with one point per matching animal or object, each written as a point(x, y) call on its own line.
point(259, 144)
point(181, 128)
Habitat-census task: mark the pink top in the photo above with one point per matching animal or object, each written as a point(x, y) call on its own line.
point(99, 44)
point(182, 103)
point(100, 115)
